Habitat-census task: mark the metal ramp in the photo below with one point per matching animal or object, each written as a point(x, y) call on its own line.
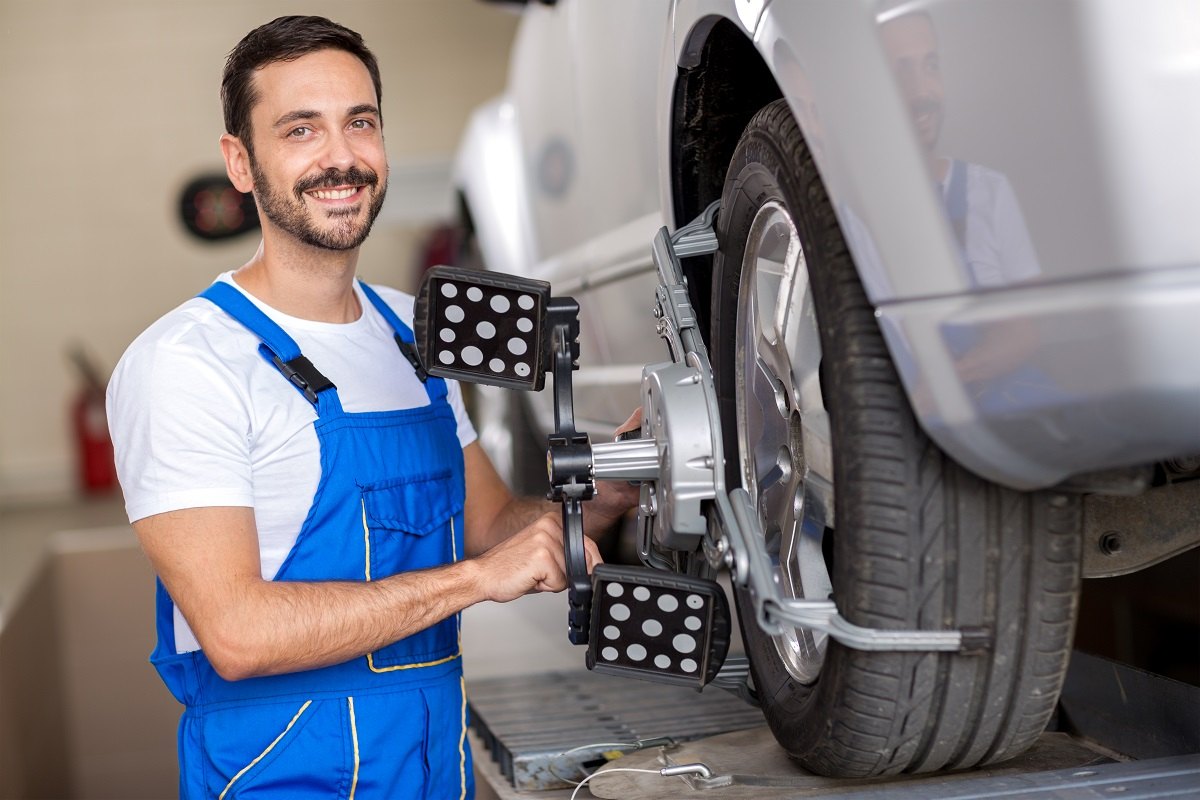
point(1122, 733)
point(545, 731)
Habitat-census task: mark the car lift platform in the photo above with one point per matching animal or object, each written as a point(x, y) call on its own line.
point(1119, 733)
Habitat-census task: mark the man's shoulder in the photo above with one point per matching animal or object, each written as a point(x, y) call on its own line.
point(194, 330)
point(401, 302)
point(985, 176)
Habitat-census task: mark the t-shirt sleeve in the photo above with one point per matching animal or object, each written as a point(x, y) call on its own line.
point(466, 430)
point(179, 429)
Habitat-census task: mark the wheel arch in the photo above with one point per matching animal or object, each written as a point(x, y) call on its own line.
point(721, 82)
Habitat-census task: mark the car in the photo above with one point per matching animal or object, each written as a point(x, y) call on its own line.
point(952, 319)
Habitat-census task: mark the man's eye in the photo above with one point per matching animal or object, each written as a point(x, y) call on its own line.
point(299, 133)
point(362, 124)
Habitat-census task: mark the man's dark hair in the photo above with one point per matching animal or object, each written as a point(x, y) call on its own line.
point(282, 39)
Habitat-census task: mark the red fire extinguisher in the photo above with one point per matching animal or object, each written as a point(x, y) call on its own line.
point(96, 468)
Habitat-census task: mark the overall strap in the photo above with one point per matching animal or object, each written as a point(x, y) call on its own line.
point(956, 210)
point(279, 349)
point(434, 387)
point(956, 198)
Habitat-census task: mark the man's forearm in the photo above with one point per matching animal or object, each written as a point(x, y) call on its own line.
point(515, 515)
point(599, 515)
point(288, 626)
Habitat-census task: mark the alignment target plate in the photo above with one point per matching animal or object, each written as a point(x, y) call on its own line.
point(656, 625)
point(482, 327)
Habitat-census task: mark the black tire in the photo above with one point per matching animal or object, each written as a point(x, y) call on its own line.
point(918, 541)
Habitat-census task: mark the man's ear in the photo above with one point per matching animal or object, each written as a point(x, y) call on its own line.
point(237, 162)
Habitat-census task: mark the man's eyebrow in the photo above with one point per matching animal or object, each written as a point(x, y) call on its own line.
point(296, 116)
point(303, 113)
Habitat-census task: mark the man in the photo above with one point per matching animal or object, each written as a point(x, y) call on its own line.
point(316, 515)
point(980, 202)
point(995, 362)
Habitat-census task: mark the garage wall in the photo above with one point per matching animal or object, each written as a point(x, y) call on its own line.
point(110, 107)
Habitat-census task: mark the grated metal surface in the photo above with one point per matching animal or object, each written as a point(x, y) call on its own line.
point(529, 723)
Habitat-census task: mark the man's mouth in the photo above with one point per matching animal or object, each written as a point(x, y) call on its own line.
point(341, 193)
point(337, 186)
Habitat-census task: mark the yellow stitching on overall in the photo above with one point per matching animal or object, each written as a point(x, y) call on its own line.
point(458, 620)
point(261, 755)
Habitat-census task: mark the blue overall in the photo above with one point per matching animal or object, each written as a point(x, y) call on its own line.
point(1027, 386)
point(391, 724)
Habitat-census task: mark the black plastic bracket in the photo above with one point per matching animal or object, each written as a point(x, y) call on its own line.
point(409, 349)
point(569, 462)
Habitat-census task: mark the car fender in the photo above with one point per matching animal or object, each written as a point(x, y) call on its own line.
point(847, 105)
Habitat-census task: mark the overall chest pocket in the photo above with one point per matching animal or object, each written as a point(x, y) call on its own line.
point(413, 524)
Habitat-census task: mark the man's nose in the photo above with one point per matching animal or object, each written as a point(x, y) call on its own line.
point(926, 85)
point(338, 153)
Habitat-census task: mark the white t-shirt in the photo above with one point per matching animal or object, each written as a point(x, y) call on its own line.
point(998, 248)
point(199, 418)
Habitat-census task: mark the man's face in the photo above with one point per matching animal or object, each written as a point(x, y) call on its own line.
point(319, 168)
point(911, 47)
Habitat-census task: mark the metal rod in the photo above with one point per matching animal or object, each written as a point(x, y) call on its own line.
point(630, 460)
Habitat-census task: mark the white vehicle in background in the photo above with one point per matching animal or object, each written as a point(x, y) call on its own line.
point(953, 319)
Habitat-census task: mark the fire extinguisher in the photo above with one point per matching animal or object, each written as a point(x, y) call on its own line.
point(96, 467)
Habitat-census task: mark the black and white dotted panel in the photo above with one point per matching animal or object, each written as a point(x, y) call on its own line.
point(494, 331)
point(652, 628)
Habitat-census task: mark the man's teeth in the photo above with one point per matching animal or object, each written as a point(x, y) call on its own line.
point(333, 194)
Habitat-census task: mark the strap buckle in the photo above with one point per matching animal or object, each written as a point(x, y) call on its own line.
point(307, 378)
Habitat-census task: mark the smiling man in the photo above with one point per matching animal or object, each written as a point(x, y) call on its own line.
point(317, 515)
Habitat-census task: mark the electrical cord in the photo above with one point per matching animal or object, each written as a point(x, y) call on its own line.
point(579, 785)
point(564, 779)
point(633, 747)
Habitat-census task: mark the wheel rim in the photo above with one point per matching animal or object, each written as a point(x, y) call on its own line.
point(783, 426)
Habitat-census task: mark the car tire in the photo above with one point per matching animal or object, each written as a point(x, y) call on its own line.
point(911, 540)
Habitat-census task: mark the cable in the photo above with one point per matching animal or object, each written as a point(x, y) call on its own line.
point(640, 744)
point(564, 779)
point(673, 771)
point(607, 771)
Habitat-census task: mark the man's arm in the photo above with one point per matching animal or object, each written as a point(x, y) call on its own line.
point(208, 560)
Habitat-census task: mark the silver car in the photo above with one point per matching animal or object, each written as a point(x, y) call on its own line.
point(954, 319)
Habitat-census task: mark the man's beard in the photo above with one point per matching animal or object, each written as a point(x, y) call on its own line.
point(292, 215)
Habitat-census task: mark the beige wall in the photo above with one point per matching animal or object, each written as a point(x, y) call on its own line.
point(109, 107)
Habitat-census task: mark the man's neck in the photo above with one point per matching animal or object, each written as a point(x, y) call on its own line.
point(302, 281)
point(939, 167)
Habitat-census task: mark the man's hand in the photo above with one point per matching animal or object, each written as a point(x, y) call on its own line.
point(530, 560)
point(613, 498)
point(632, 424)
